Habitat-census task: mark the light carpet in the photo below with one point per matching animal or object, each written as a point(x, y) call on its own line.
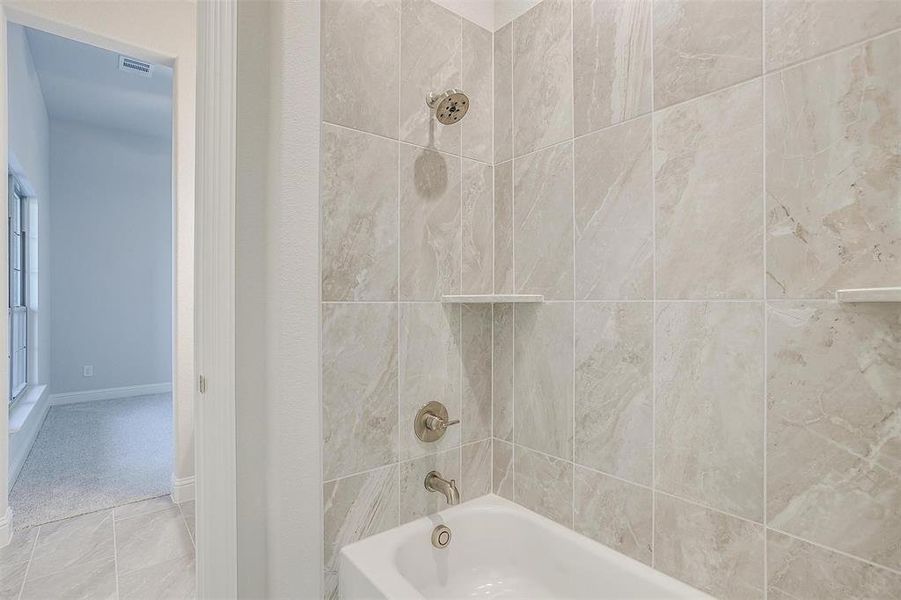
point(95, 455)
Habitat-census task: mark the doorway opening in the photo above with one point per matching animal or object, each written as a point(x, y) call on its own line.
point(91, 311)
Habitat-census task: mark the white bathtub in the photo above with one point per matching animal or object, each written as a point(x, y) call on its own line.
point(498, 550)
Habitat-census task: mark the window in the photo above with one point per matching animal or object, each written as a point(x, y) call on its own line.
point(18, 311)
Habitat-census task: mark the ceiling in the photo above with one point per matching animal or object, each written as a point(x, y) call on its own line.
point(83, 83)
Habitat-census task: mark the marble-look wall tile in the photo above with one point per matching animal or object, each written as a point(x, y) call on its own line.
point(360, 72)
point(710, 412)
point(431, 60)
point(476, 359)
point(796, 569)
point(833, 172)
point(611, 61)
point(478, 235)
point(834, 451)
point(544, 484)
point(357, 507)
point(614, 204)
point(478, 84)
point(714, 552)
point(502, 372)
point(503, 228)
point(359, 387)
point(359, 216)
point(543, 222)
point(704, 45)
point(542, 76)
point(543, 381)
point(476, 472)
point(502, 469)
point(503, 93)
point(430, 224)
point(613, 512)
point(429, 369)
point(709, 225)
point(415, 500)
point(614, 389)
point(800, 29)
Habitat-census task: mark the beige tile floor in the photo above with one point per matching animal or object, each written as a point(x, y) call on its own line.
point(141, 550)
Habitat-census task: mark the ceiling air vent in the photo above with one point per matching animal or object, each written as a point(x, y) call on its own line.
point(135, 66)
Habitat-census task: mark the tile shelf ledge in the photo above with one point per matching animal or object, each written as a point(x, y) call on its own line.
point(492, 298)
point(883, 294)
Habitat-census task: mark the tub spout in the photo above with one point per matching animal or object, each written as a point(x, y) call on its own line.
point(434, 482)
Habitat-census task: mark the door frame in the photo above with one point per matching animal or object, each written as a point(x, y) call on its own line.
point(213, 267)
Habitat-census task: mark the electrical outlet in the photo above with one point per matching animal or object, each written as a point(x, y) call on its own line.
point(88, 371)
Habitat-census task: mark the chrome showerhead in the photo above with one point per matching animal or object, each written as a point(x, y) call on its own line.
point(450, 106)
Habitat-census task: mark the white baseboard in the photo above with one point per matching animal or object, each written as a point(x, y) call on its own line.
point(110, 393)
point(182, 489)
point(6, 528)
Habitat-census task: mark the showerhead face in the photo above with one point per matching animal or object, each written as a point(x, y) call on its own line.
point(450, 106)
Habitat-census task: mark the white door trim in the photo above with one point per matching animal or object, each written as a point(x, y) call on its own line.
point(215, 442)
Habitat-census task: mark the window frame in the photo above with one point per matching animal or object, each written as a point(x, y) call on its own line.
point(17, 308)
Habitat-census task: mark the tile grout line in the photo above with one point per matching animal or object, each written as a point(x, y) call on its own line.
point(116, 550)
point(572, 155)
point(398, 436)
point(653, 297)
point(34, 547)
point(513, 252)
point(763, 36)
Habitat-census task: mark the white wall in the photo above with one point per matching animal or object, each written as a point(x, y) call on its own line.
point(111, 258)
point(29, 143)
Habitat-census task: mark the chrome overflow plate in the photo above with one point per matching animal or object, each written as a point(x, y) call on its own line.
point(431, 422)
point(441, 537)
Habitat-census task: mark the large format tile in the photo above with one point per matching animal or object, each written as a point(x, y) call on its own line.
point(503, 93)
point(143, 507)
point(710, 226)
point(93, 580)
point(543, 381)
point(359, 387)
point(710, 405)
point(73, 542)
point(415, 500)
point(503, 228)
point(545, 485)
point(796, 569)
point(359, 216)
point(476, 362)
point(542, 76)
point(543, 222)
point(476, 127)
point(19, 548)
point(704, 45)
point(613, 512)
point(834, 453)
point(429, 369)
point(360, 73)
point(502, 372)
point(714, 552)
point(833, 174)
point(430, 224)
point(12, 576)
point(502, 469)
point(152, 538)
point(430, 61)
point(357, 507)
point(614, 389)
point(172, 579)
point(800, 29)
point(614, 206)
point(478, 231)
point(476, 463)
point(187, 511)
point(611, 61)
